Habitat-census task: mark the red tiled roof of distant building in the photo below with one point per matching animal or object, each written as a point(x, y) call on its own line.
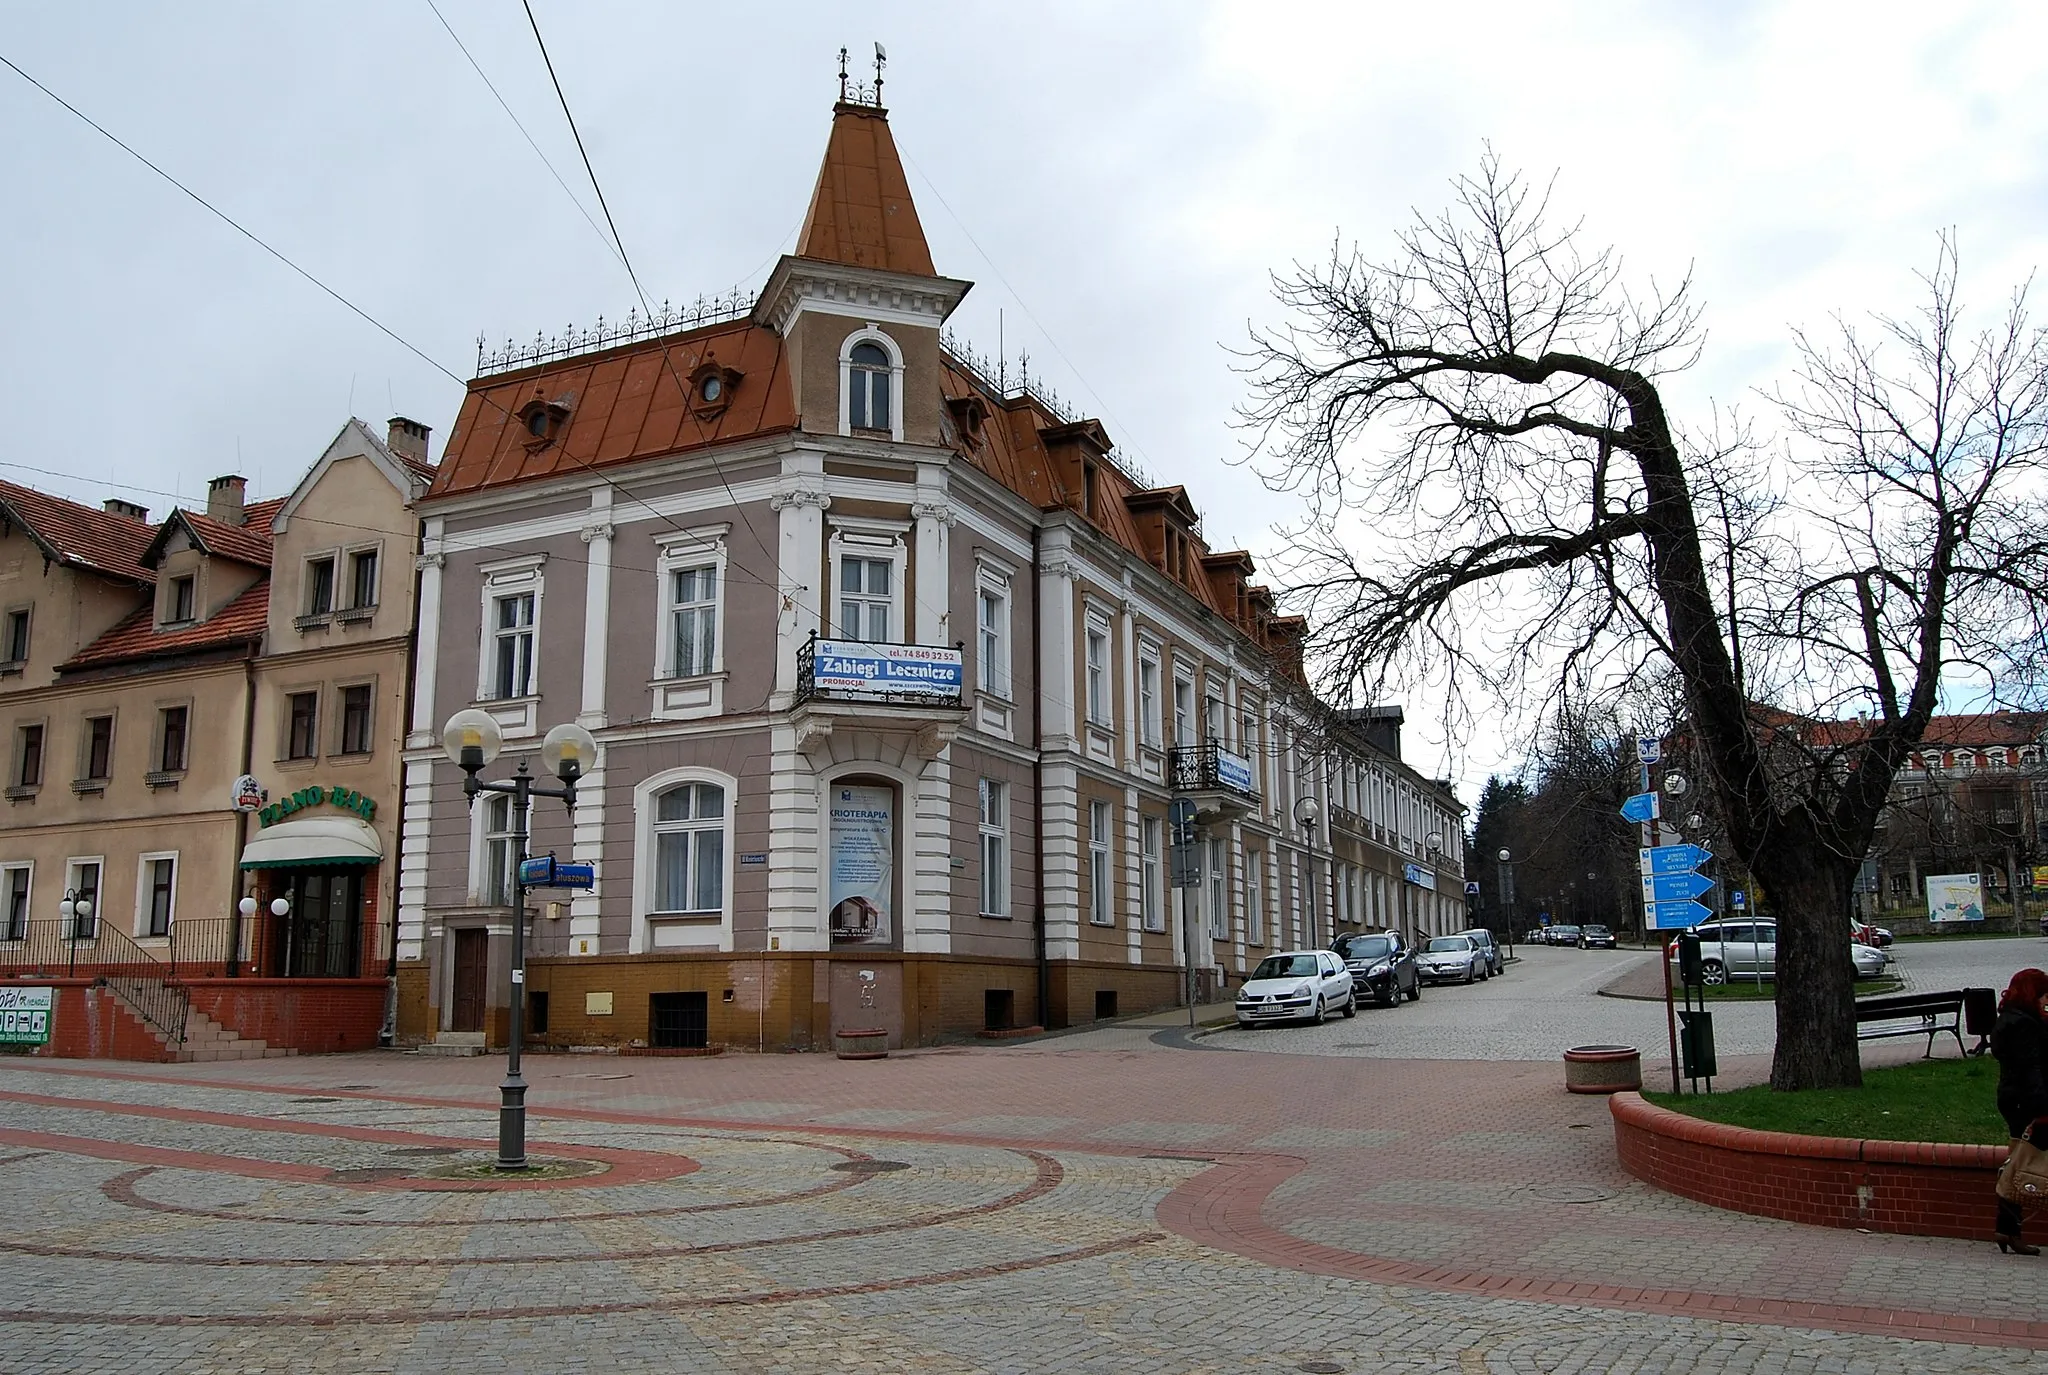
point(623, 404)
point(98, 541)
point(1979, 731)
point(241, 621)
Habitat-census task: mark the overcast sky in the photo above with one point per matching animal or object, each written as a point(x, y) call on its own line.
point(1118, 180)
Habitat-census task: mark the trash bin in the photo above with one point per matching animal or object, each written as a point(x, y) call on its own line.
point(1980, 1014)
point(1602, 1069)
point(1696, 1044)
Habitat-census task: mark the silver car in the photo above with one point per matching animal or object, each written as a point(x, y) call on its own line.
point(1747, 948)
point(1448, 958)
point(1483, 938)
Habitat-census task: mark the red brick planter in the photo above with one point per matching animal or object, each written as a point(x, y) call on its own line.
point(1915, 1188)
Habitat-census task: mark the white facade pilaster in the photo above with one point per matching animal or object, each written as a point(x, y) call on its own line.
point(597, 611)
point(425, 731)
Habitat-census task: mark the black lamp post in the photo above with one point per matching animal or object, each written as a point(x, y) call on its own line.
point(472, 740)
point(1507, 897)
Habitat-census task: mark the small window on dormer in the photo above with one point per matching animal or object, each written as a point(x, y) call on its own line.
point(537, 424)
point(867, 378)
point(178, 602)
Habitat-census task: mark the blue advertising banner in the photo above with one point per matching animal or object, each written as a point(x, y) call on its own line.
point(1234, 771)
point(849, 668)
point(1419, 876)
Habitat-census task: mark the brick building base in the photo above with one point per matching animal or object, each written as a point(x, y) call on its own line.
point(791, 1001)
point(1915, 1188)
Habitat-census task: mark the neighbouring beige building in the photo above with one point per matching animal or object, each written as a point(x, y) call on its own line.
point(147, 668)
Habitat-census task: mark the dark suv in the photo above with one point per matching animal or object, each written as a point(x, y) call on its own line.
point(1381, 964)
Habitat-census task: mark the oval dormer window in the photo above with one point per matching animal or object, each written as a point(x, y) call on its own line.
point(867, 379)
point(711, 390)
point(537, 423)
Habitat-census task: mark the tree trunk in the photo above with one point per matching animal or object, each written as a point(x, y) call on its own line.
point(1816, 978)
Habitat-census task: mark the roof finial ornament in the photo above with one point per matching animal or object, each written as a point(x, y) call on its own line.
point(842, 76)
point(881, 61)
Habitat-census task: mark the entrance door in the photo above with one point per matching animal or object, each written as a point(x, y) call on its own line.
point(472, 958)
point(321, 937)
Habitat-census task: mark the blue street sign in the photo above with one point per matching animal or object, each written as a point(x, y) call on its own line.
point(1649, 749)
point(538, 872)
point(1665, 916)
point(1675, 887)
point(1640, 808)
point(1673, 859)
point(1738, 901)
point(575, 876)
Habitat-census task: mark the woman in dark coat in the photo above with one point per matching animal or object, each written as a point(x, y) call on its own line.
point(2020, 1042)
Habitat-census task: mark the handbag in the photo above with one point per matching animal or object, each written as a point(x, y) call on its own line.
point(2024, 1176)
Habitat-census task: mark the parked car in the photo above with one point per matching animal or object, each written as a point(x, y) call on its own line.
point(1563, 935)
point(1297, 985)
point(1536, 935)
point(1870, 934)
point(1596, 938)
point(1745, 948)
point(1496, 961)
point(1381, 965)
point(1448, 958)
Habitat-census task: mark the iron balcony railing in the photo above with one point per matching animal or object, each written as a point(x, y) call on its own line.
point(1208, 767)
point(866, 671)
point(92, 949)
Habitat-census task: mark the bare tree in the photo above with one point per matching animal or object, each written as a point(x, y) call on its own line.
point(1496, 487)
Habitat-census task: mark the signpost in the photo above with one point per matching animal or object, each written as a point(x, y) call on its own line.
point(1185, 865)
point(25, 1016)
point(1641, 809)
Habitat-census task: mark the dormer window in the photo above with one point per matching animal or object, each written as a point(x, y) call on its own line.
point(543, 421)
point(178, 600)
point(711, 389)
point(537, 423)
point(867, 400)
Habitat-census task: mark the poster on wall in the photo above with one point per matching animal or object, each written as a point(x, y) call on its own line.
point(1955, 897)
point(863, 838)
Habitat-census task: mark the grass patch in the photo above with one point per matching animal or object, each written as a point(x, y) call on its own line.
point(1750, 991)
point(1929, 1100)
point(2001, 930)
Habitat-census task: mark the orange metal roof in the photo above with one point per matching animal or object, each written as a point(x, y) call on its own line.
point(241, 621)
point(861, 212)
point(624, 404)
point(78, 536)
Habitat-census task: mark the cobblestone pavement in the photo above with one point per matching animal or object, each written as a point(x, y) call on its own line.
point(1099, 1203)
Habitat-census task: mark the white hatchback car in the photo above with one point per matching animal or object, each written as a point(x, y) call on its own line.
point(1297, 985)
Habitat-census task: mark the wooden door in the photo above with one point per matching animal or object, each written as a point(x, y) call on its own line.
point(472, 960)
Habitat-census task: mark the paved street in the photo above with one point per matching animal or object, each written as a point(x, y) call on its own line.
point(1117, 1200)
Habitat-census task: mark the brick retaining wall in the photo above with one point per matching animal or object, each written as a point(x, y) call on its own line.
point(1915, 1188)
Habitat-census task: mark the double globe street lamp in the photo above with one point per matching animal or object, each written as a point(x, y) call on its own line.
point(472, 740)
point(1307, 812)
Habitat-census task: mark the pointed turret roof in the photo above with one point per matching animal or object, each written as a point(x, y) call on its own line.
point(861, 213)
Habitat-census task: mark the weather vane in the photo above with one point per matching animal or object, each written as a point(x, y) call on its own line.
point(842, 76)
point(881, 61)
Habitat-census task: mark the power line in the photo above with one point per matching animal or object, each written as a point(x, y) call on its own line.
point(581, 209)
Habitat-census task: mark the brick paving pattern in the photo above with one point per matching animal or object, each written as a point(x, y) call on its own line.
point(1103, 1202)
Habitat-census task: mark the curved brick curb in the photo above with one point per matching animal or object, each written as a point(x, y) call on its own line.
point(1224, 1207)
point(1911, 1187)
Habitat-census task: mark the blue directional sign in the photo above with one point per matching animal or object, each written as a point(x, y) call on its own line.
point(1673, 859)
point(538, 872)
point(575, 876)
point(1665, 916)
point(1675, 887)
point(1642, 807)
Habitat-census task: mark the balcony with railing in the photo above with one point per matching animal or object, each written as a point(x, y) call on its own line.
point(1222, 784)
point(913, 694)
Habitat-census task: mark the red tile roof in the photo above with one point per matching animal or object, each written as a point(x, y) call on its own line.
point(247, 543)
point(1979, 731)
point(78, 536)
point(241, 621)
point(624, 404)
point(861, 212)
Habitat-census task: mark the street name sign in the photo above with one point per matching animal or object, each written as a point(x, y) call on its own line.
point(1675, 887)
point(1672, 859)
point(1640, 808)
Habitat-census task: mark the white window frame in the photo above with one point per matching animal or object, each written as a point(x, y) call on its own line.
point(333, 559)
point(1149, 686)
point(508, 578)
point(855, 537)
point(28, 898)
point(992, 641)
point(871, 334)
point(1151, 897)
point(696, 930)
point(144, 890)
point(1095, 632)
point(99, 891)
point(1101, 878)
point(1217, 861)
point(351, 554)
point(995, 848)
point(693, 827)
point(482, 881)
point(699, 548)
point(1254, 904)
point(1184, 720)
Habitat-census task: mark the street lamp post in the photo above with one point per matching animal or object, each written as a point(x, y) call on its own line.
point(77, 914)
point(1434, 843)
point(246, 908)
point(471, 739)
point(1307, 812)
point(1507, 897)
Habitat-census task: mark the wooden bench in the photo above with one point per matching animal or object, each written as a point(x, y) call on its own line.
point(1916, 1014)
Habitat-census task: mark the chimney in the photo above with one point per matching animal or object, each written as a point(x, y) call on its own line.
point(408, 439)
point(1379, 725)
point(224, 499)
point(114, 506)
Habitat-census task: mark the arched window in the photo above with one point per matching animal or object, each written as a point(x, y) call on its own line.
point(867, 381)
point(689, 849)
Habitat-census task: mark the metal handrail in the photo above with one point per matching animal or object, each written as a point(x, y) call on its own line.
point(56, 948)
point(1194, 768)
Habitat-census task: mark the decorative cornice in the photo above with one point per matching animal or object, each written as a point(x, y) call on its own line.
point(1060, 568)
point(602, 530)
point(423, 562)
point(801, 284)
point(799, 496)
